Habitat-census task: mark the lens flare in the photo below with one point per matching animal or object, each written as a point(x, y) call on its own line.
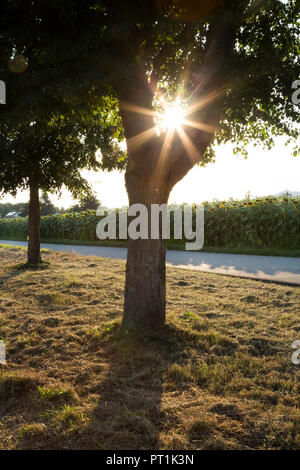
point(172, 117)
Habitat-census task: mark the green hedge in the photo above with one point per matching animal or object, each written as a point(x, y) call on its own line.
point(262, 223)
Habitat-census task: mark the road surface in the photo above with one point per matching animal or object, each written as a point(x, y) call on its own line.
point(273, 268)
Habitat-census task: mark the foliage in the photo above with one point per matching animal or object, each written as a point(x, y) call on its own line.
point(6, 207)
point(86, 202)
point(50, 152)
point(248, 50)
point(46, 206)
point(262, 222)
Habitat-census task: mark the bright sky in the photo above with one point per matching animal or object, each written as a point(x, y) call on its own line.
point(263, 173)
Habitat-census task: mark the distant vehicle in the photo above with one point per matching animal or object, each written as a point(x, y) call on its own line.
point(12, 215)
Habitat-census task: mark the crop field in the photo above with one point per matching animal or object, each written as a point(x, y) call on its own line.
point(219, 375)
point(262, 223)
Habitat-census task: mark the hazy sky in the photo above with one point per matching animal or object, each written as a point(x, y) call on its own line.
point(263, 173)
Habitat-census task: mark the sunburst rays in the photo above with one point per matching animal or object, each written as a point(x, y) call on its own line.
point(136, 109)
point(198, 125)
point(173, 118)
point(190, 148)
point(133, 143)
point(165, 149)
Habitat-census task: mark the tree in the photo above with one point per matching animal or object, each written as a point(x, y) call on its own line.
point(46, 206)
point(231, 62)
point(46, 154)
point(86, 202)
point(21, 207)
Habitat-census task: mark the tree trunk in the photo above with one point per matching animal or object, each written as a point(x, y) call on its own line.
point(145, 287)
point(34, 249)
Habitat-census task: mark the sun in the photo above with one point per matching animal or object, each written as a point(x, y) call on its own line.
point(171, 117)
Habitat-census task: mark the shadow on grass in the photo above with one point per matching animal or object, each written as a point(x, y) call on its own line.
point(128, 413)
point(120, 399)
point(14, 270)
point(30, 266)
point(116, 400)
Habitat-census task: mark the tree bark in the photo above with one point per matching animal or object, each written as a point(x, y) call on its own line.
point(34, 248)
point(145, 287)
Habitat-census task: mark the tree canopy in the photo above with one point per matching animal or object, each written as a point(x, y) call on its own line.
point(245, 51)
point(52, 150)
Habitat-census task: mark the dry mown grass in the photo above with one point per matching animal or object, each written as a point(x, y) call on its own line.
point(218, 377)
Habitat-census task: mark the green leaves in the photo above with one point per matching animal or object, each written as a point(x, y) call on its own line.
point(53, 149)
point(261, 222)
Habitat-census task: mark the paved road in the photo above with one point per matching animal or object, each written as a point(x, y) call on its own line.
point(274, 268)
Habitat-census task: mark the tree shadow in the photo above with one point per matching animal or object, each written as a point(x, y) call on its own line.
point(13, 271)
point(116, 403)
point(128, 413)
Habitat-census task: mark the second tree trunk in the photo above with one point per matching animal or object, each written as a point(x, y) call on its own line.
point(34, 250)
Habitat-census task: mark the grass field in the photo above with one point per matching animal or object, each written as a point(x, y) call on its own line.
point(218, 376)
